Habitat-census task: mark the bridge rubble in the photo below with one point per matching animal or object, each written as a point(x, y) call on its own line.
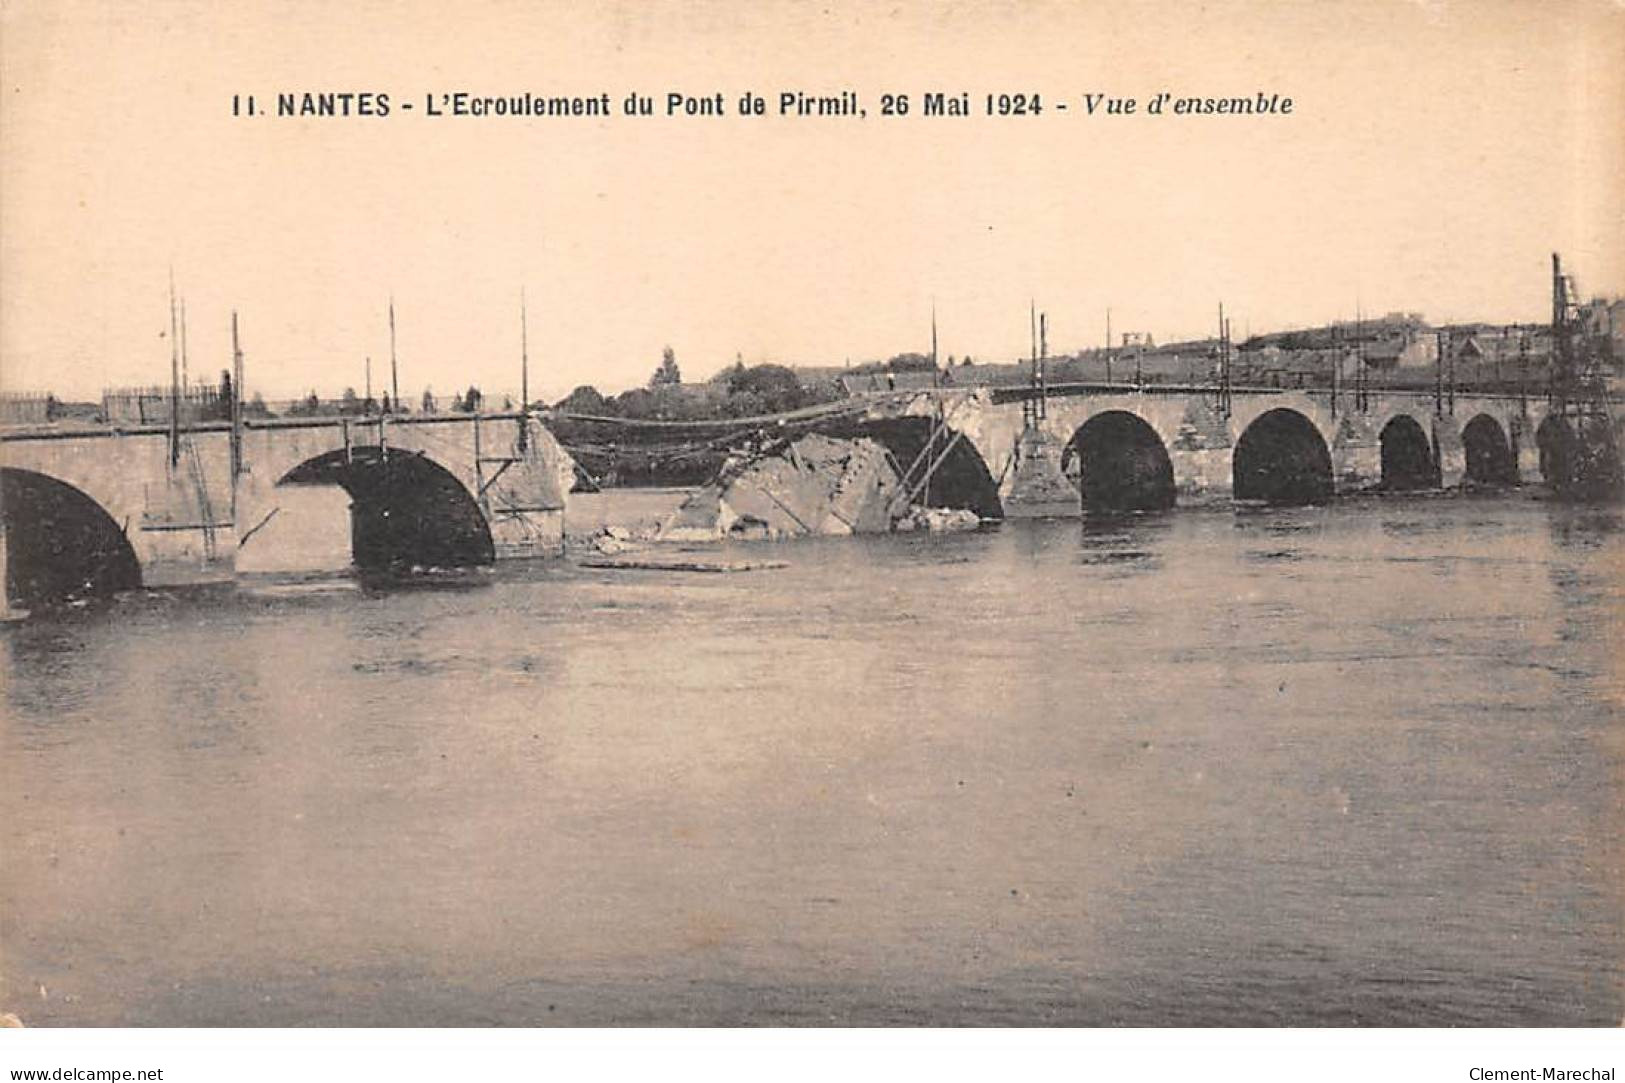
point(814, 485)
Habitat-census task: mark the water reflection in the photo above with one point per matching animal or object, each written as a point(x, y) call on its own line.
point(1318, 766)
point(1130, 543)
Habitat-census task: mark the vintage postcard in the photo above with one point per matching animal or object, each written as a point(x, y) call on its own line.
point(967, 514)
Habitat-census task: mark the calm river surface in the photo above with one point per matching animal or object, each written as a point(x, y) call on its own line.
point(1352, 765)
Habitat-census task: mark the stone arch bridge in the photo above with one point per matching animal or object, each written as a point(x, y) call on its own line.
point(1132, 447)
point(87, 509)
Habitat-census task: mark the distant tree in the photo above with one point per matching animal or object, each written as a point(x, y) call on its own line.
point(507, 403)
point(677, 402)
point(910, 362)
point(746, 404)
point(637, 403)
point(256, 406)
point(429, 405)
point(727, 374)
point(457, 406)
point(583, 400)
point(349, 403)
point(775, 387)
point(667, 373)
point(472, 399)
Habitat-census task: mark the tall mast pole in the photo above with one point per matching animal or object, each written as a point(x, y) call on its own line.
point(1043, 365)
point(1032, 315)
point(1108, 344)
point(236, 405)
point(1450, 387)
point(1523, 371)
point(524, 373)
point(934, 362)
point(394, 375)
point(1441, 338)
point(1031, 410)
point(174, 376)
point(936, 413)
point(1360, 388)
point(1337, 362)
point(367, 401)
point(183, 348)
point(1562, 367)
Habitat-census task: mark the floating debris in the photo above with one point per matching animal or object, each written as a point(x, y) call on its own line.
point(614, 539)
point(663, 564)
point(938, 520)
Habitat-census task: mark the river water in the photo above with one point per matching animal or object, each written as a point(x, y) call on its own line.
point(1359, 764)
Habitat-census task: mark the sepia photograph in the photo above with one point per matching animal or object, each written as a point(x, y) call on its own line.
point(992, 513)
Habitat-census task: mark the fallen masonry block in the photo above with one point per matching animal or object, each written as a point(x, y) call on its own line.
point(938, 520)
point(813, 485)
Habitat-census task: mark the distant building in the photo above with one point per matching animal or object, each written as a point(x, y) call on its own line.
point(151, 405)
point(1409, 347)
point(26, 408)
point(866, 382)
point(41, 407)
point(1605, 319)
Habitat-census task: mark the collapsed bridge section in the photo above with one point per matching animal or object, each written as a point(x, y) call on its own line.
point(937, 466)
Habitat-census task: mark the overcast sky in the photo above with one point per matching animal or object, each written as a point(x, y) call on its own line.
point(1436, 155)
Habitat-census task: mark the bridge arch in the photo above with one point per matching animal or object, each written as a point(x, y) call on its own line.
point(1488, 452)
point(961, 478)
point(1161, 414)
point(1282, 458)
point(1247, 410)
point(1120, 463)
point(1408, 460)
point(406, 509)
point(60, 543)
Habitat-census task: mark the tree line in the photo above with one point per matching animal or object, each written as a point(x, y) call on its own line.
point(737, 391)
